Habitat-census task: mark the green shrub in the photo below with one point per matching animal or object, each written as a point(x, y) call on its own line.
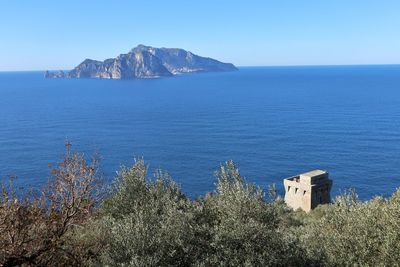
point(147, 223)
point(152, 223)
point(351, 232)
point(245, 228)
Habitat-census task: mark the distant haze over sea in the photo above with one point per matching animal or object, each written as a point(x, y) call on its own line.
point(273, 121)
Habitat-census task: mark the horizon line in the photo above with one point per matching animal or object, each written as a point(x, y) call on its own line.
point(245, 66)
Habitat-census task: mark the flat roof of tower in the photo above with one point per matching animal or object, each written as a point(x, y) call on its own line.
point(313, 173)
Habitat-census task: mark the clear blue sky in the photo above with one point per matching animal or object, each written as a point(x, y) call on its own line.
point(38, 35)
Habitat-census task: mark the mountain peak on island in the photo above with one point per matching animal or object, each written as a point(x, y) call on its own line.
point(141, 47)
point(146, 62)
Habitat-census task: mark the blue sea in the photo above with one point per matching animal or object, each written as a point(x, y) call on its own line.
point(273, 122)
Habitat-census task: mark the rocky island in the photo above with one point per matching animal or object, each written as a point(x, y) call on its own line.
point(145, 62)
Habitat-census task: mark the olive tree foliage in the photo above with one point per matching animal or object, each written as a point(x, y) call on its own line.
point(147, 223)
point(152, 223)
point(244, 227)
point(351, 232)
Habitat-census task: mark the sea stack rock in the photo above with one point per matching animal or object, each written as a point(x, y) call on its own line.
point(58, 74)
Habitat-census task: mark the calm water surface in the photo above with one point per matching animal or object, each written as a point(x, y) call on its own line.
point(274, 122)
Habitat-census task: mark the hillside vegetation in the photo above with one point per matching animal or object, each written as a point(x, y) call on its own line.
point(141, 221)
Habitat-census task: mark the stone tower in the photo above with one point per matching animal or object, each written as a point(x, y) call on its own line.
point(306, 191)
